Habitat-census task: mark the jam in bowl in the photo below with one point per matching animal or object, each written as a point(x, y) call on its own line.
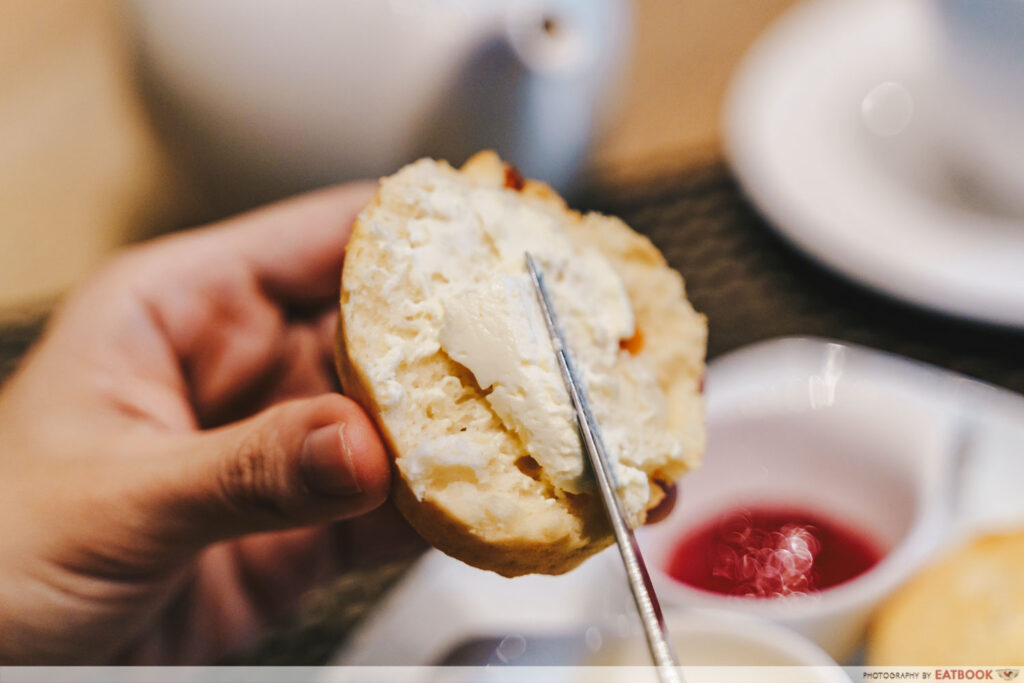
point(766, 552)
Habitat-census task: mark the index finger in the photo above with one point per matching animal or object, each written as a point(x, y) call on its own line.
point(295, 248)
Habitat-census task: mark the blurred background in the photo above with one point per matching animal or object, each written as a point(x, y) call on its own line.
point(83, 166)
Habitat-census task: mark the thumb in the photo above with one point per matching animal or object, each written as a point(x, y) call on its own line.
point(298, 463)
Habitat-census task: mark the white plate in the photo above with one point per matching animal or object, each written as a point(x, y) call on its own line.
point(880, 210)
point(978, 430)
point(910, 455)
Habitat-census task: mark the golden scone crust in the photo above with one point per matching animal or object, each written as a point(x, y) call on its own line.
point(965, 610)
point(674, 338)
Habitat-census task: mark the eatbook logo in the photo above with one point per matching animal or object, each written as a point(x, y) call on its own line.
point(1008, 674)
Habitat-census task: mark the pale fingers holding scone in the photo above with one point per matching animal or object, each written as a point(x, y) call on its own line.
point(441, 340)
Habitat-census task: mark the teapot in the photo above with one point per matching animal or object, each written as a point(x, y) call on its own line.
point(263, 98)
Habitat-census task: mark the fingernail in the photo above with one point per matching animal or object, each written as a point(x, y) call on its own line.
point(327, 464)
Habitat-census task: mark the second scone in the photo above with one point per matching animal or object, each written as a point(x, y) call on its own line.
point(441, 340)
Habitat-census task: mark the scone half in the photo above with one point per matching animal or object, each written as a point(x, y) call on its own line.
point(441, 342)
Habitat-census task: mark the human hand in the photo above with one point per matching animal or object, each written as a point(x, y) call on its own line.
point(182, 398)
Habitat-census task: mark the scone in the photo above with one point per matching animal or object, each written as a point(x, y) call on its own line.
point(966, 610)
point(442, 342)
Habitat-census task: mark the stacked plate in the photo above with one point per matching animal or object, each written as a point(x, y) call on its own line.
point(834, 128)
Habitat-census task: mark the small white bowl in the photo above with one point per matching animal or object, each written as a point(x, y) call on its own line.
point(716, 638)
point(830, 429)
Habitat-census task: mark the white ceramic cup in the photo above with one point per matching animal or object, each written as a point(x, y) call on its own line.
point(866, 456)
point(979, 64)
point(263, 98)
point(715, 638)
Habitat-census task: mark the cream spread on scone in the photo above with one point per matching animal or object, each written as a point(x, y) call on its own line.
point(465, 247)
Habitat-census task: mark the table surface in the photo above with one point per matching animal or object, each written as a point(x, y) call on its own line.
point(750, 284)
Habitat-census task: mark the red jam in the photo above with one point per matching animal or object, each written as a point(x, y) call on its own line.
point(514, 180)
point(768, 552)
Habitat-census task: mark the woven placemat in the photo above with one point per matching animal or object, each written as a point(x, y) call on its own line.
point(750, 284)
point(753, 286)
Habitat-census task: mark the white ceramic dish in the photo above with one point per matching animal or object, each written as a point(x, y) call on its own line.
point(892, 448)
point(705, 638)
point(884, 211)
point(915, 428)
point(801, 429)
point(265, 98)
point(717, 646)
